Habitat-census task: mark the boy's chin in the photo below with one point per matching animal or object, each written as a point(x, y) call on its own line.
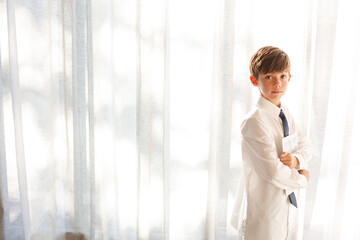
point(277, 96)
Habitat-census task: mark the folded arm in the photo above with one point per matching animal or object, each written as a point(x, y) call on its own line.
point(303, 154)
point(259, 148)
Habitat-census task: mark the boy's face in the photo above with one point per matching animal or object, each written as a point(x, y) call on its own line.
point(272, 86)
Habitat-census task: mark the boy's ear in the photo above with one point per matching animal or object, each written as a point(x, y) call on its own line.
point(289, 77)
point(253, 80)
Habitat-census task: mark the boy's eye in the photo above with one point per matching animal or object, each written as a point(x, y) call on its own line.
point(268, 77)
point(283, 76)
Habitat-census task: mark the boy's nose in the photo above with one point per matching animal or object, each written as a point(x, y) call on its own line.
point(277, 82)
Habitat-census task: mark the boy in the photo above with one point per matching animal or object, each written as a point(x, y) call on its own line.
point(272, 175)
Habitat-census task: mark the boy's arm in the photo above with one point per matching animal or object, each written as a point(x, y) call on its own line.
point(259, 147)
point(303, 154)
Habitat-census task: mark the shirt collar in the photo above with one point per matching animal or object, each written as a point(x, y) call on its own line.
point(268, 106)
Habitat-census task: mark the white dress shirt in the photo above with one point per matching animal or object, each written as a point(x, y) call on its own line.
point(267, 179)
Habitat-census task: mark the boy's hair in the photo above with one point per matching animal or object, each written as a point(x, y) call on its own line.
point(267, 60)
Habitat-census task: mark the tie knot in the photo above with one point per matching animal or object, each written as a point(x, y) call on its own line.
point(285, 123)
point(282, 115)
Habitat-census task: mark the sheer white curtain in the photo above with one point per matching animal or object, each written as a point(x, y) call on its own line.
point(120, 119)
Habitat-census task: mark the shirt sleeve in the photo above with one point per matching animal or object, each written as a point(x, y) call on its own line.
point(258, 147)
point(303, 154)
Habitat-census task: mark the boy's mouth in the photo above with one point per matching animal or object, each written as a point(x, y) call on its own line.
point(276, 92)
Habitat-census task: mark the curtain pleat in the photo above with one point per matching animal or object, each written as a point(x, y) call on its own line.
point(4, 198)
point(138, 109)
point(218, 179)
point(81, 175)
point(346, 143)
point(91, 120)
point(166, 124)
point(152, 113)
point(323, 59)
point(18, 121)
point(65, 168)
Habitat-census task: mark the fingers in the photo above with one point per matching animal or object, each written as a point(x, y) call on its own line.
point(305, 173)
point(287, 160)
point(287, 163)
point(284, 154)
point(284, 160)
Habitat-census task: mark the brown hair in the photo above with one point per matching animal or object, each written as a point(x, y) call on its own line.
point(267, 60)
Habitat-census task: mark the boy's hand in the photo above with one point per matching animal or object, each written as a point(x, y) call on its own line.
point(306, 173)
point(289, 160)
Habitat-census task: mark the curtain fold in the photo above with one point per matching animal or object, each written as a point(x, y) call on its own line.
point(4, 198)
point(325, 24)
point(121, 119)
point(18, 121)
point(220, 139)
